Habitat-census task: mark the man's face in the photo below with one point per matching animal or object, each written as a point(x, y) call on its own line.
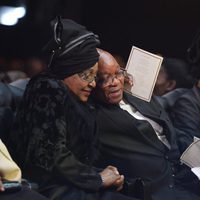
point(161, 83)
point(111, 81)
point(79, 85)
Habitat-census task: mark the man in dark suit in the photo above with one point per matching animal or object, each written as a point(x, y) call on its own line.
point(186, 116)
point(186, 111)
point(138, 138)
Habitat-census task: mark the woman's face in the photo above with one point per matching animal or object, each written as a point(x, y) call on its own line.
point(81, 84)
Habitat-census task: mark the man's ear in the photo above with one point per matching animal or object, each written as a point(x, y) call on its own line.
point(171, 85)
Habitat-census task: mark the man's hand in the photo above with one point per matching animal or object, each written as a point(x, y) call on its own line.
point(128, 82)
point(111, 177)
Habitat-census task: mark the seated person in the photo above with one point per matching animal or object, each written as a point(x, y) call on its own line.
point(138, 138)
point(185, 113)
point(173, 74)
point(10, 97)
point(56, 135)
point(10, 173)
point(173, 80)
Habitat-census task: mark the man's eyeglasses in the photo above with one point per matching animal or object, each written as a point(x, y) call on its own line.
point(105, 80)
point(87, 76)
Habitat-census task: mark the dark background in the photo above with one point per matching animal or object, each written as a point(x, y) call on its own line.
point(159, 26)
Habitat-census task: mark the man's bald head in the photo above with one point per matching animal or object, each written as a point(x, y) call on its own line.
point(106, 60)
point(109, 88)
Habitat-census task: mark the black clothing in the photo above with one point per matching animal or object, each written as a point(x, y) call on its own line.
point(55, 142)
point(10, 97)
point(6, 121)
point(168, 100)
point(134, 148)
point(185, 115)
point(24, 194)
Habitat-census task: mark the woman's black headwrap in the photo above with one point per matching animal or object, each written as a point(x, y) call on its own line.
point(72, 48)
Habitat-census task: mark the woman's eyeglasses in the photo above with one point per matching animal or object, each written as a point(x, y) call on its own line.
point(88, 76)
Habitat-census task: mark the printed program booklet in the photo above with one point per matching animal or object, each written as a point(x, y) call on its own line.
point(144, 67)
point(190, 157)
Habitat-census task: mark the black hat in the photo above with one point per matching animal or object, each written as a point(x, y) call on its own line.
point(72, 48)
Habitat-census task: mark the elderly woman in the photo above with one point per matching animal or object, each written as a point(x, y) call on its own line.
point(56, 133)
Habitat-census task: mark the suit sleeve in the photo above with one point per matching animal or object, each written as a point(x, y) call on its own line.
point(185, 117)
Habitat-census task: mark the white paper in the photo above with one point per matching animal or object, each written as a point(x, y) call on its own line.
point(144, 67)
point(195, 139)
point(196, 171)
point(190, 156)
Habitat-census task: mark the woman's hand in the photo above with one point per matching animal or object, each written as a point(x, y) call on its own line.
point(111, 177)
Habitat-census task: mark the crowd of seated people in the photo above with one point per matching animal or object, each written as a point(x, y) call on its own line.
point(114, 146)
point(14, 69)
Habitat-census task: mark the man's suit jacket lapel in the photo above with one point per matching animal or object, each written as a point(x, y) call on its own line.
point(153, 112)
point(124, 124)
